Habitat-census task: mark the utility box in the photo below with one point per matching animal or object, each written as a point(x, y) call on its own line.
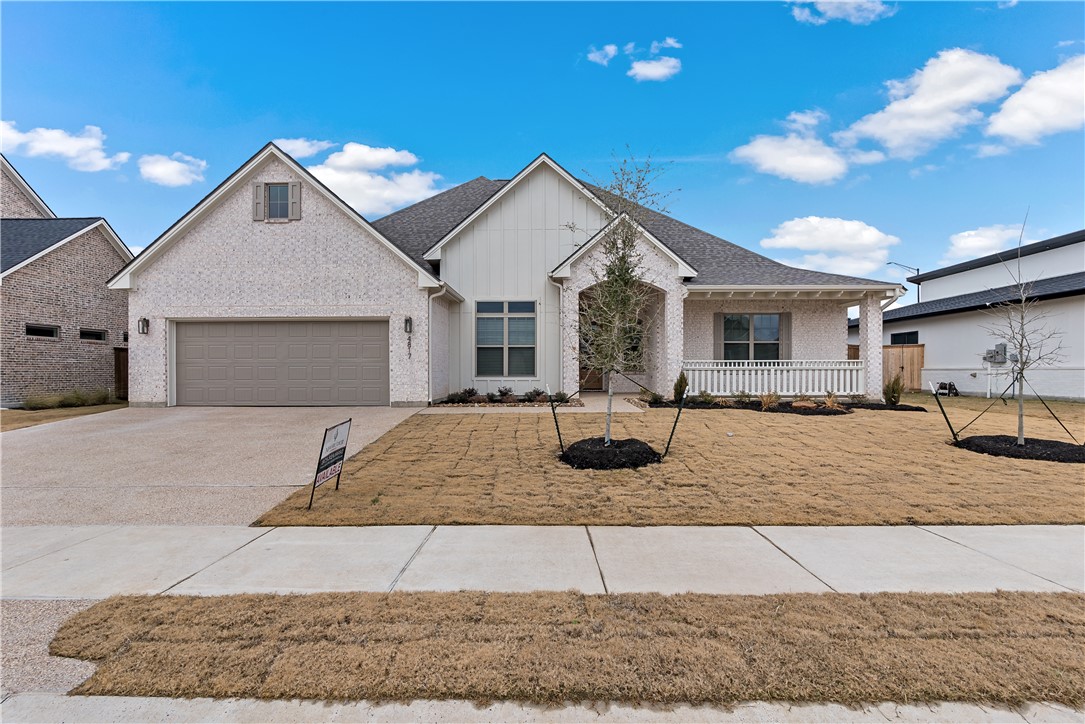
point(996, 356)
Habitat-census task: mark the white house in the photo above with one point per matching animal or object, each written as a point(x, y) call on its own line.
point(952, 319)
point(273, 291)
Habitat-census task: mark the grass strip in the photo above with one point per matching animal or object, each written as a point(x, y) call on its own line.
point(726, 467)
point(550, 648)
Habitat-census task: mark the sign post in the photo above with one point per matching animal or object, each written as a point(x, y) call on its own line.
point(332, 454)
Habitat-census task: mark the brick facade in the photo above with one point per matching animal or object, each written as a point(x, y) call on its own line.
point(65, 288)
point(819, 329)
point(227, 266)
point(14, 203)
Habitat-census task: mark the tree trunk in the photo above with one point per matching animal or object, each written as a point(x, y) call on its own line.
point(1020, 407)
point(610, 402)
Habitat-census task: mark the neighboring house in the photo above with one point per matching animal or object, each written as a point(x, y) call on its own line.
point(273, 291)
point(953, 318)
point(62, 328)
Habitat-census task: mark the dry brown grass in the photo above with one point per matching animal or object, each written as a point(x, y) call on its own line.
point(555, 647)
point(16, 419)
point(1072, 414)
point(866, 468)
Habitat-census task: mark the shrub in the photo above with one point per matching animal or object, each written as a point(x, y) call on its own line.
point(802, 397)
point(478, 399)
point(510, 399)
point(505, 392)
point(492, 397)
point(858, 398)
point(680, 386)
point(100, 396)
point(41, 402)
point(560, 397)
point(534, 395)
point(456, 398)
point(768, 399)
point(652, 398)
point(743, 396)
point(470, 392)
point(75, 398)
point(893, 390)
point(705, 397)
point(830, 400)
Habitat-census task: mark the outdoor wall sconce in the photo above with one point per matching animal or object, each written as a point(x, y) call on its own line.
point(143, 325)
point(408, 325)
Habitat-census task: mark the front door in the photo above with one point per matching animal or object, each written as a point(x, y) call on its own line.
point(590, 380)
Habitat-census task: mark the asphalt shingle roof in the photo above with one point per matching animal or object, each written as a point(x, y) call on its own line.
point(416, 228)
point(21, 239)
point(1050, 288)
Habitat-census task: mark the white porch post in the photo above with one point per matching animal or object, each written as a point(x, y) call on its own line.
point(570, 338)
point(870, 343)
point(673, 333)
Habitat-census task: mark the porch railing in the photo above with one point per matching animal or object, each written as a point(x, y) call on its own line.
point(784, 377)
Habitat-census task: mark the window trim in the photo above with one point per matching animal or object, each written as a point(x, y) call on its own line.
point(84, 330)
point(54, 327)
point(782, 331)
point(505, 346)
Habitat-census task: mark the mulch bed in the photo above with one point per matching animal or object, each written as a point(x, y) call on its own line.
point(593, 454)
point(1034, 449)
point(551, 648)
point(883, 406)
point(754, 405)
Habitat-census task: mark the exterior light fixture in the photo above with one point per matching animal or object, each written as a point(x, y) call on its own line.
point(408, 325)
point(143, 326)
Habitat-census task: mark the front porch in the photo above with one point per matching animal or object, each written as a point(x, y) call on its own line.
point(787, 378)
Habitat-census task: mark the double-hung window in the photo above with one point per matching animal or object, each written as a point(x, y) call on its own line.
point(278, 201)
point(505, 339)
point(752, 336)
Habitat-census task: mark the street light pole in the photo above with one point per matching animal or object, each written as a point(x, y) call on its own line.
point(914, 270)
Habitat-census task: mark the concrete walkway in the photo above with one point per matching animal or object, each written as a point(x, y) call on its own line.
point(90, 562)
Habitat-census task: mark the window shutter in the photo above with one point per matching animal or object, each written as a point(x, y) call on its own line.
point(785, 335)
point(258, 202)
point(717, 336)
point(295, 200)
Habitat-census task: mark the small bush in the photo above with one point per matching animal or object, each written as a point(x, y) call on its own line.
point(802, 397)
point(492, 397)
point(510, 399)
point(680, 386)
point(100, 396)
point(505, 392)
point(534, 395)
point(478, 399)
point(768, 399)
point(893, 390)
point(705, 397)
point(857, 399)
point(470, 392)
point(560, 397)
point(41, 402)
point(830, 400)
point(456, 398)
point(743, 396)
point(75, 398)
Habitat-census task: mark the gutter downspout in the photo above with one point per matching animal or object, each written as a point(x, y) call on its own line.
point(429, 339)
point(561, 330)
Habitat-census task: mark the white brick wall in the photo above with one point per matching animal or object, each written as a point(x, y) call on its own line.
point(819, 329)
point(230, 267)
point(666, 330)
point(870, 344)
point(14, 203)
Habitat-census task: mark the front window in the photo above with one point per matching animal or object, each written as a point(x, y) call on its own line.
point(751, 337)
point(904, 337)
point(278, 201)
point(505, 339)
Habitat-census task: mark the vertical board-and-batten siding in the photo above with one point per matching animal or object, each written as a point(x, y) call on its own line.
point(323, 266)
point(506, 254)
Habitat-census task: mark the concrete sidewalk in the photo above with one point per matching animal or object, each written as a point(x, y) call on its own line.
point(90, 562)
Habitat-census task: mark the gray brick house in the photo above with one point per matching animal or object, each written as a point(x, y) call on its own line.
point(61, 327)
point(273, 291)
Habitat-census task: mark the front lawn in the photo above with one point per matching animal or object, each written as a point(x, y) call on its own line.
point(551, 648)
point(727, 467)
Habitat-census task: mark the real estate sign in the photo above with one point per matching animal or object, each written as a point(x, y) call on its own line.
point(332, 454)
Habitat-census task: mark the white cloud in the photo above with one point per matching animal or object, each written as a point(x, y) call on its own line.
point(840, 246)
point(352, 174)
point(805, 121)
point(980, 242)
point(84, 151)
point(935, 103)
point(801, 158)
point(659, 69)
point(302, 147)
point(986, 150)
point(1066, 43)
point(1049, 102)
point(667, 42)
point(863, 158)
point(629, 48)
point(175, 170)
point(603, 55)
point(920, 170)
point(857, 12)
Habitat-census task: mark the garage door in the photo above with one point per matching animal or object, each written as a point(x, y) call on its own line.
point(282, 363)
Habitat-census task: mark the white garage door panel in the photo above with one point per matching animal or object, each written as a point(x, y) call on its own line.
point(282, 363)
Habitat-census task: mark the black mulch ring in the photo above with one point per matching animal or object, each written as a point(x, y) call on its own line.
point(756, 407)
point(592, 454)
point(883, 406)
point(1054, 451)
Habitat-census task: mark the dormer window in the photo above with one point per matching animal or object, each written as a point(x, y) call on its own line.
point(276, 201)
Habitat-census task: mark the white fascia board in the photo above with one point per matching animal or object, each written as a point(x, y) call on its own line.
point(125, 278)
point(27, 188)
point(109, 234)
point(449, 292)
point(564, 269)
point(434, 252)
point(768, 288)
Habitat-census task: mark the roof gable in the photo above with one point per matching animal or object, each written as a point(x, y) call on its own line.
point(125, 278)
point(434, 252)
point(26, 240)
point(25, 188)
point(564, 269)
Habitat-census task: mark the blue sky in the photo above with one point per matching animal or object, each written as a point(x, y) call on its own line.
point(828, 135)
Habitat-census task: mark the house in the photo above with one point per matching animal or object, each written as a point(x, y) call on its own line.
point(62, 328)
point(273, 291)
point(953, 319)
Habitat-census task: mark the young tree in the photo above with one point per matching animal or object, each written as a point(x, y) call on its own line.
point(613, 322)
point(1024, 325)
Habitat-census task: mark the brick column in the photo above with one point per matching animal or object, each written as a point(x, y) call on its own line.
point(570, 338)
point(870, 343)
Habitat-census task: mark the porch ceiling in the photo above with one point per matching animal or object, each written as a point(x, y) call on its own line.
point(847, 296)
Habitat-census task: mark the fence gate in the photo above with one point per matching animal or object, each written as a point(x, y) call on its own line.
point(905, 359)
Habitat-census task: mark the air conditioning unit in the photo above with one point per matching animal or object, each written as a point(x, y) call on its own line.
point(996, 356)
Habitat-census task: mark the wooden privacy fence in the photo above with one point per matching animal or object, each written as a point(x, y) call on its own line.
point(905, 359)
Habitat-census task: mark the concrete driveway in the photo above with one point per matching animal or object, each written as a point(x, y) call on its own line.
point(175, 466)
